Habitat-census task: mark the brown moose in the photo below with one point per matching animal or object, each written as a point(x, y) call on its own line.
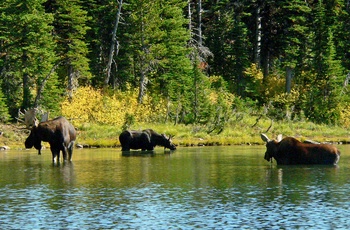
point(290, 151)
point(58, 132)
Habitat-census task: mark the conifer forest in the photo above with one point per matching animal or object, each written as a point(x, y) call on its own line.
point(179, 61)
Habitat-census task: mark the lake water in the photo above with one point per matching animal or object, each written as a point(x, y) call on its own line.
point(197, 187)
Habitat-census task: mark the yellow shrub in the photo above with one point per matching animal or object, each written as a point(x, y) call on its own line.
point(81, 107)
point(345, 115)
point(287, 98)
point(91, 105)
point(254, 72)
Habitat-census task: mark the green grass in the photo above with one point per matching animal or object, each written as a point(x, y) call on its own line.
point(236, 132)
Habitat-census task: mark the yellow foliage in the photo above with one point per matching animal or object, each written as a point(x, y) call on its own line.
point(218, 93)
point(91, 105)
point(274, 85)
point(254, 72)
point(213, 97)
point(287, 98)
point(345, 115)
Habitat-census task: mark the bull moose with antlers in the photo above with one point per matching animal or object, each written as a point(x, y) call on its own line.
point(58, 132)
point(289, 151)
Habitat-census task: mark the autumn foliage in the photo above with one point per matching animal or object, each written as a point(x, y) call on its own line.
point(92, 105)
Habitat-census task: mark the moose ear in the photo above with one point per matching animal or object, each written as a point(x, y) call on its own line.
point(264, 137)
point(279, 137)
point(36, 122)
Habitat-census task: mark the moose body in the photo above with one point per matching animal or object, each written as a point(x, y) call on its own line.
point(290, 151)
point(58, 132)
point(144, 140)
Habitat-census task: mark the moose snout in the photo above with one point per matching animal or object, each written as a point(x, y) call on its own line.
point(267, 157)
point(172, 147)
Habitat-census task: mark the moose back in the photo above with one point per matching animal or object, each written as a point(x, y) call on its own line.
point(145, 140)
point(289, 151)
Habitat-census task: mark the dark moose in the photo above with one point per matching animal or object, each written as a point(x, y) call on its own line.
point(290, 151)
point(145, 140)
point(58, 132)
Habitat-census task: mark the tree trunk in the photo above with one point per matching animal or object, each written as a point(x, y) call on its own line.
point(143, 85)
point(26, 91)
point(25, 82)
point(189, 18)
point(266, 64)
point(288, 79)
point(143, 68)
point(71, 79)
point(42, 85)
point(257, 48)
point(113, 45)
point(199, 9)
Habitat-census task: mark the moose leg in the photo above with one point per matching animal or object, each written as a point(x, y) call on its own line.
point(126, 147)
point(55, 155)
point(70, 150)
point(64, 151)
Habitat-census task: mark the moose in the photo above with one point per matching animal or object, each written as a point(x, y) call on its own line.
point(145, 140)
point(58, 132)
point(290, 151)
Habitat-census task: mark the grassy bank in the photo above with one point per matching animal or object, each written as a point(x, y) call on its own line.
point(236, 133)
point(243, 131)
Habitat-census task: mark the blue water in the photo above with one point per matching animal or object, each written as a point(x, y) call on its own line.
point(200, 187)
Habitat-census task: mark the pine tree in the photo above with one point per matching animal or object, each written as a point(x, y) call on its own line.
point(70, 30)
point(323, 97)
point(4, 113)
point(295, 17)
point(29, 49)
point(175, 76)
point(156, 47)
point(342, 32)
point(227, 38)
point(102, 16)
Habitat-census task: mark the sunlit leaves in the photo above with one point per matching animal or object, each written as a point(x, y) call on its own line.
point(91, 105)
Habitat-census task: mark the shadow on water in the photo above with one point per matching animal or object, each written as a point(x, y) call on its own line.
point(149, 153)
point(302, 173)
point(66, 173)
point(138, 153)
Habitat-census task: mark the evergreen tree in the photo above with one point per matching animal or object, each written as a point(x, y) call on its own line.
point(143, 34)
point(45, 51)
point(227, 37)
point(342, 32)
point(70, 34)
point(156, 48)
point(271, 30)
point(28, 50)
point(52, 95)
point(102, 16)
point(4, 113)
point(323, 99)
point(175, 76)
point(295, 18)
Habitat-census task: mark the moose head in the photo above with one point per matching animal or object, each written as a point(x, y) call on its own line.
point(167, 142)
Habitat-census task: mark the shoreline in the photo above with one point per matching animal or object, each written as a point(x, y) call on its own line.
point(106, 136)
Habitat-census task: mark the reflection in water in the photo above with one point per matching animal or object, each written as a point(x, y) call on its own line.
point(212, 187)
point(138, 153)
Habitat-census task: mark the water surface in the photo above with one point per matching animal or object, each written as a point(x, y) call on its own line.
point(199, 187)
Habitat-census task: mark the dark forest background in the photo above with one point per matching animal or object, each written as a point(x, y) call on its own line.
point(280, 59)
